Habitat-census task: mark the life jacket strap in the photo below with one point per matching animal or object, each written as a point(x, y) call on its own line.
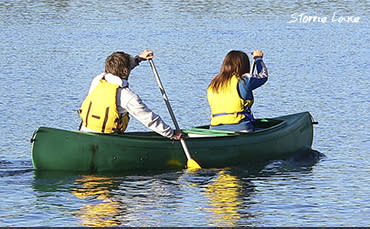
point(220, 114)
point(247, 113)
point(87, 114)
point(105, 119)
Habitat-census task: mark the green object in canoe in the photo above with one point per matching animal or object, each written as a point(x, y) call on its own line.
point(275, 138)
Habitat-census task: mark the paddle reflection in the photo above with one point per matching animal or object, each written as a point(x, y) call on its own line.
point(223, 194)
point(101, 210)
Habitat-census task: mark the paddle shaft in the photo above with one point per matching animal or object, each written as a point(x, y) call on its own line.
point(161, 88)
point(253, 66)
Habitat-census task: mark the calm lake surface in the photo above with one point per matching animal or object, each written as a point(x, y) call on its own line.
point(50, 51)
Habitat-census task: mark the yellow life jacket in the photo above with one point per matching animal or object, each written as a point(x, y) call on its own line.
point(226, 105)
point(99, 110)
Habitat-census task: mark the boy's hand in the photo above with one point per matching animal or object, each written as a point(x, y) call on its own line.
point(147, 54)
point(178, 135)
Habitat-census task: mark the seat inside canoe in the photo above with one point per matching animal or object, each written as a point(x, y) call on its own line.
point(204, 131)
point(266, 123)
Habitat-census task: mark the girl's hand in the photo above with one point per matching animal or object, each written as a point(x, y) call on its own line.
point(257, 54)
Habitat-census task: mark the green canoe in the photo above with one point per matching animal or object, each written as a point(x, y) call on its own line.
point(275, 138)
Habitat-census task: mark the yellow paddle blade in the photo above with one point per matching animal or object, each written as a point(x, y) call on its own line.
point(193, 165)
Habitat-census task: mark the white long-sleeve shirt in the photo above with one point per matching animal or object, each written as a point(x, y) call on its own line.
point(129, 102)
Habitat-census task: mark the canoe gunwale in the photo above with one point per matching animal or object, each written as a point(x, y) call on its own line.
point(153, 135)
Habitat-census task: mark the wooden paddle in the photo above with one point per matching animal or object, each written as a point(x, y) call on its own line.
point(253, 65)
point(191, 164)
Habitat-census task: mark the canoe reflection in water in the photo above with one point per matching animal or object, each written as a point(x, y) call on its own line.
point(208, 197)
point(104, 212)
point(103, 208)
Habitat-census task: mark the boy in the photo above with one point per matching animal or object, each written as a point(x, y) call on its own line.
point(110, 101)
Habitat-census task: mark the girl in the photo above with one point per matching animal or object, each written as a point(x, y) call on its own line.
point(230, 93)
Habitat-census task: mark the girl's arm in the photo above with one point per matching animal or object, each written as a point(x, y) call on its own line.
point(250, 82)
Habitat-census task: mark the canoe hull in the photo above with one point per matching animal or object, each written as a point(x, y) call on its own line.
point(55, 149)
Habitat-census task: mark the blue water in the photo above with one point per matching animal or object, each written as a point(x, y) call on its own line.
point(50, 51)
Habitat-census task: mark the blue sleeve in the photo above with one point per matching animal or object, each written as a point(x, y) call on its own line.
point(134, 61)
point(250, 82)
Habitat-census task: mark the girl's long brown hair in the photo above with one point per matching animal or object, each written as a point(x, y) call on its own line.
point(235, 63)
